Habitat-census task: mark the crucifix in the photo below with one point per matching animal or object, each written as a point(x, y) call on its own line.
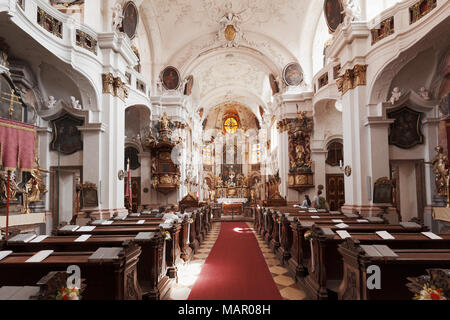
point(13, 99)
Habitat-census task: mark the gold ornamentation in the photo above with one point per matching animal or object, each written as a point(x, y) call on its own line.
point(86, 41)
point(323, 80)
point(230, 33)
point(348, 171)
point(35, 187)
point(440, 164)
point(386, 29)
point(108, 83)
point(49, 23)
point(120, 89)
point(352, 78)
point(421, 9)
point(115, 86)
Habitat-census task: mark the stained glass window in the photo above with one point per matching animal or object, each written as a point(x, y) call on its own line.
point(231, 125)
point(256, 153)
point(208, 155)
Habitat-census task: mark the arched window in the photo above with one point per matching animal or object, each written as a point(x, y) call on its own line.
point(335, 153)
point(208, 154)
point(231, 124)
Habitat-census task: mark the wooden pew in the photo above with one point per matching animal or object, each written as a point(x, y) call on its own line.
point(327, 273)
point(282, 234)
point(396, 265)
point(109, 273)
point(301, 249)
point(173, 252)
point(151, 267)
point(283, 251)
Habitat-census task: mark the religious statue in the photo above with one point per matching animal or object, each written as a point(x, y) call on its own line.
point(396, 94)
point(205, 191)
point(154, 165)
point(35, 187)
point(440, 170)
point(425, 94)
point(13, 187)
point(231, 182)
point(352, 11)
point(165, 122)
point(117, 16)
point(75, 103)
point(51, 102)
point(212, 195)
point(155, 181)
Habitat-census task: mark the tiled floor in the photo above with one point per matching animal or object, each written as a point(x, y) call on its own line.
point(285, 283)
point(187, 274)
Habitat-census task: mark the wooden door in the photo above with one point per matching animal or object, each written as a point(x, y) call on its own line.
point(335, 191)
point(136, 193)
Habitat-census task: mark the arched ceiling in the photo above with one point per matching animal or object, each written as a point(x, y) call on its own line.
point(187, 35)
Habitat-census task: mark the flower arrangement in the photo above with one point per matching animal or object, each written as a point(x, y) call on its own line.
point(278, 219)
point(191, 220)
point(166, 235)
point(308, 235)
point(68, 294)
point(430, 293)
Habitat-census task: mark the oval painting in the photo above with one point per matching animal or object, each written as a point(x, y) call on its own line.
point(333, 14)
point(293, 74)
point(130, 19)
point(170, 78)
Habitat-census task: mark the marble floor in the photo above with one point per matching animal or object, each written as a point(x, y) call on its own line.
point(188, 273)
point(285, 283)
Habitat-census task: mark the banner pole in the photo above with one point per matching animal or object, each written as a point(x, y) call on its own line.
point(8, 195)
point(59, 169)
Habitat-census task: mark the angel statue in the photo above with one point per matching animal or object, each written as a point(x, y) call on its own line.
point(35, 187)
point(440, 170)
point(13, 187)
point(352, 11)
point(117, 16)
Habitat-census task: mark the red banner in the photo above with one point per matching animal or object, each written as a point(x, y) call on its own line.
point(16, 145)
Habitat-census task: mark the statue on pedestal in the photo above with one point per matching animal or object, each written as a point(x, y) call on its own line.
point(35, 187)
point(440, 170)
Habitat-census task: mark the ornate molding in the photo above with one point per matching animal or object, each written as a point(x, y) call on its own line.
point(115, 86)
point(352, 78)
point(85, 41)
point(49, 23)
point(386, 29)
point(421, 9)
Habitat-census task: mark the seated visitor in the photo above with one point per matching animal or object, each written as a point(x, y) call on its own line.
point(307, 202)
point(320, 202)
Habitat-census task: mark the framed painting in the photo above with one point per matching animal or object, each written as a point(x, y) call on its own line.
point(333, 12)
point(89, 195)
point(406, 131)
point(66, 135)
point(293, 74)
point(382, 192)
point(189, 85)
point(170, 78)
point(130, 19)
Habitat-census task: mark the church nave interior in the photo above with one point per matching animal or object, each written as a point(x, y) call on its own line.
point(224, 150)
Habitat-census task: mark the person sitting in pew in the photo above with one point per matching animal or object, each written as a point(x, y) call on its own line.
point(320, 202)
point(307, 202)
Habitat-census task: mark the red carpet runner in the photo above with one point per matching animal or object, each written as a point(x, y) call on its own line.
point(235, 269)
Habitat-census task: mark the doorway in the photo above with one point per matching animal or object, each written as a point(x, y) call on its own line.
point(64, 199)
point(409, 195)
point(335, 191)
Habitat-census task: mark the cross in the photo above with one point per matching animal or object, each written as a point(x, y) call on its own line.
point(12, 99)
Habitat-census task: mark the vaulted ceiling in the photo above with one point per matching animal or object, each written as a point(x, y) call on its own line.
point(187, 35)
